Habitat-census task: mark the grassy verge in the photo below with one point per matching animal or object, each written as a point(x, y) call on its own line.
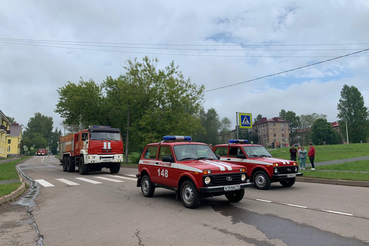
point(337, 175)
point(329, 152)
point(6, 189)
point(347, 166)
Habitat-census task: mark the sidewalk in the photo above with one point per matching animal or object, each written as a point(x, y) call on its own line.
point(363, 158)
point(9, 160)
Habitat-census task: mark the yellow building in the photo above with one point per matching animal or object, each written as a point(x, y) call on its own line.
point(4, 133)
point(14, 139)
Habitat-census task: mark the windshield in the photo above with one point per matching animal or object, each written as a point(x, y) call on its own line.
point(256, 151)
point(105, 136)
point(193, 152)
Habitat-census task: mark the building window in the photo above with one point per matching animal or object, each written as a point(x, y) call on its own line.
point(274, 135)
point(282, 125)
point(273, 124)
point(9, 141)
point(283, 136)
point(273, 130)
point(282, 130)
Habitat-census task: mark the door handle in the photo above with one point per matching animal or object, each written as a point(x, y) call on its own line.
point(228, 159)
point(156, 162)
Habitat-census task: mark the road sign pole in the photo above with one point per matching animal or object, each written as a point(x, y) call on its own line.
point(237, 123)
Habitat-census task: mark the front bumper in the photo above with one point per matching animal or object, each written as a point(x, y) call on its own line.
point(285, 176)
point(221, 188)
point(96, 159)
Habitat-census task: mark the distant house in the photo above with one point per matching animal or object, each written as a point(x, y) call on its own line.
point(14, 139)
point(272, 131)
point(4, 133)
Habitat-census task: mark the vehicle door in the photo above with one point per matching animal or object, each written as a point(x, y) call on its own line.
point(164, 170)
point(150, 161)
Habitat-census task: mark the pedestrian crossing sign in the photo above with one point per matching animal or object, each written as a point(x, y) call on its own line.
point(245, 120)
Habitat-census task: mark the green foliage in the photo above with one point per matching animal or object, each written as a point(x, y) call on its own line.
point(211, 124)
point(134, 157)
point(347, 166)
point(225, 127)
point(258, 118)
point(8, 170)
point(352, 110)
point(306, 121)
point(323, 133)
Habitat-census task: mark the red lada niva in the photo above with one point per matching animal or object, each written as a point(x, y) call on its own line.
point(262, 168)
point(191, 169)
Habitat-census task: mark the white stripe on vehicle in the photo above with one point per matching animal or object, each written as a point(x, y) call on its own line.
point(68, 182)
point(111, 180)
point(89, 180)
point(173, 165)
point(109, 145)
point(44, 183)
point(220, 163)
point(246, 161)
point(212, 163)
point(104, 145)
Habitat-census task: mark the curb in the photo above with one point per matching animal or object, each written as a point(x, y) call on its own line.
point(12, 196)
point(334, 181)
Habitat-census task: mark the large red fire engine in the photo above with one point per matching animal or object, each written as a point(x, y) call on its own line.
point(92, 149)
point(42, 151)
point(191, 169)
point(262, 168)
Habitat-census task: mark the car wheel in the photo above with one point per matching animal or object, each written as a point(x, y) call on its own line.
point(114, 168)
point(83, 169)
point(189, 195)
point(261, 180)
point(147, 188)
point(288, 182)
point(235, 196)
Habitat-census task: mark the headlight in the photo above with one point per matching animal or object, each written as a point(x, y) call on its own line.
point(207, 180)
point(120, 156)
point(295, 169)
point(243, 177)
point(275, 170)
point(91, 157)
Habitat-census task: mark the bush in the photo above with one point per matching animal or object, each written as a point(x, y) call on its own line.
point(134, 157)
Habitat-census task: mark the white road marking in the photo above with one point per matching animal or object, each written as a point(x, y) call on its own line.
point(68, 182)
point(294, 205)
point(44, 183)
point(131, 175)
point(89, 181)
point(336, 212)
point(122, 177)
point(112, 180)
point(261, 200)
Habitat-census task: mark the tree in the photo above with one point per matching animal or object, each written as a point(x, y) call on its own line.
point(38, 131)
point(258, 118)
point(353, 112)
point(225, 127)
point(211, 125)
point(323, 133)
point(306, 121)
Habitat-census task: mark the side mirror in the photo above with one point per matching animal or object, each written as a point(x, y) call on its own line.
point(167, 158)
point(218, 156)
point(241, 156)
point(84, 136)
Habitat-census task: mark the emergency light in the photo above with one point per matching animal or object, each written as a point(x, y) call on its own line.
point(101, 127)
point(177, 138)
point(244, 141)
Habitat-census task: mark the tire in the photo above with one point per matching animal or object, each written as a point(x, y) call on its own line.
point(83, 169)
point(71, 167)
point(261, 180)
point(114, 168)
point(147, 188)
point(189, 195)
point(64, 163)
point(235, 196)
point(288, 182)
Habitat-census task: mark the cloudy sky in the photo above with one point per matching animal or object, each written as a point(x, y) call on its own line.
point(44, 44)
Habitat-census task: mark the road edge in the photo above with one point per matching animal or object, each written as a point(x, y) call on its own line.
point(334, 181)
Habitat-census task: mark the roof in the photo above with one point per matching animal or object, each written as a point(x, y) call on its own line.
point(274, 120)
point(177, 143)
point(15, 129)
point(3, 116)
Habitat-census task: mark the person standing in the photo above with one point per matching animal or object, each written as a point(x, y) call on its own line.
point(302, 157)
point(312, 156)
point(293, 152)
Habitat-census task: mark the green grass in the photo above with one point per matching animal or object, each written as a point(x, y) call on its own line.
point(8, 171)
point(6, 189)
point(337, 175)
point(347, 166)
point(329, 152)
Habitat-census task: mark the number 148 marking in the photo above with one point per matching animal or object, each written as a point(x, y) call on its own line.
point(163, 173)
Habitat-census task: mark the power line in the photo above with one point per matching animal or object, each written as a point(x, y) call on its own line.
point(290, 70)
point(170, 54)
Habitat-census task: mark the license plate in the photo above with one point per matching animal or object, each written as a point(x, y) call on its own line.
point(106, 160)
point(291, 175)
point(232, 187)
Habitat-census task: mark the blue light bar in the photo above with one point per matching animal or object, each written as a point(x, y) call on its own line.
point(177, 138)
point(244, 141)
point(101, 127)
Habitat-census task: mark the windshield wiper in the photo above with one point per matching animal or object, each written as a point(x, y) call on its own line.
point(205, 158)
point(265, 155)
point(187, 158)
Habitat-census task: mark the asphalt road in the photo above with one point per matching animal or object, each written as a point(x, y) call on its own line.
point(112, 211)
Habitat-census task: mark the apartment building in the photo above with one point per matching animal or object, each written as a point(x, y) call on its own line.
point(272, 131)
point(14, 139)
point(4, 133)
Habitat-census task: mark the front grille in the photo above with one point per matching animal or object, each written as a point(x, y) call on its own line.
point(288, 169)
point(221, 179)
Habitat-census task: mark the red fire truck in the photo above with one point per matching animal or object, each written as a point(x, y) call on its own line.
point(191, 169)
point(42, 151)
point(261, 167)
point(92, 149)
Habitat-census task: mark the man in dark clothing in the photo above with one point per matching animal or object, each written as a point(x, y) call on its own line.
point(311, 155)
point(293, 152)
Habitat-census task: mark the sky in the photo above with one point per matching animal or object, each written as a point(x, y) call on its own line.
point(45, 44)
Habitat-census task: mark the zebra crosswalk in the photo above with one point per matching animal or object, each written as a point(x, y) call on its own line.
point(96, 180)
